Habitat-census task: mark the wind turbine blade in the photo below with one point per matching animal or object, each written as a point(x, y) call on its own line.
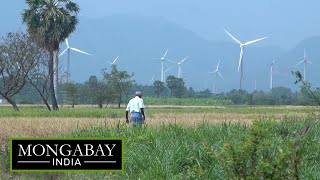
point(67, 43)
point(114, 61)
point(212, 71)
point(168, 69)
point(165, 53)
point(64, 51)
point(220, 75)
point(253, 41)
point(172, 61)
point(309, 62)
point(218, 64)
point(304, 53)
point(75, 49)
point(240, 58)
point(235, 39)
point(184, 59)
point(166, 65)
point(299, 62)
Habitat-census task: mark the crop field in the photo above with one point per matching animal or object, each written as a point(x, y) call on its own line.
point(179, 142)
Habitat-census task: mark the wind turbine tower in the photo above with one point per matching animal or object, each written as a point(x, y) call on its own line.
point(242, 46)
point(271, 74)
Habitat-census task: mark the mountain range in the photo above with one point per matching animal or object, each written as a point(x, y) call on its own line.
point(139, 40)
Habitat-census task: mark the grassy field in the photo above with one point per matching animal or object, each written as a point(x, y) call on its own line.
point(177, 142)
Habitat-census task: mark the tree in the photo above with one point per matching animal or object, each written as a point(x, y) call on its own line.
point(39, 78)
point(71, 92)
point(120, 83)
point(204, 94)
point(191, 92)
point(239, 96)
point(306, 87)
point(176, 86)
point(18, 56)
point(158, 87)
point(91, 88)
point(50, 22)
point(98, 92)
point(282, 94)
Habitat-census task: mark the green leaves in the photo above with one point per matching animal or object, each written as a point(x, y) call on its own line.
point(176, 86)
point(306, 87)
point(50, 22)
point(158, 87)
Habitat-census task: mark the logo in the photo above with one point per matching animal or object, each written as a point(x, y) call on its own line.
point(60, 155)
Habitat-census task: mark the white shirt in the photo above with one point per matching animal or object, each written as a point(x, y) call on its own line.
point(135, 104)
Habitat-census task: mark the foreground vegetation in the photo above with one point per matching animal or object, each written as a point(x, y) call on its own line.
point(263, 150)
point(266, 149)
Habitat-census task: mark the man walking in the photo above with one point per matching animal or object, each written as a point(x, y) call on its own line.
point(136, 109)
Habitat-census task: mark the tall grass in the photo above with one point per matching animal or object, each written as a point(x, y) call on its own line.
point(176, 152)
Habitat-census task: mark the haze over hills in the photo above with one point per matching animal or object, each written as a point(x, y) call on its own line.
point(138, 39)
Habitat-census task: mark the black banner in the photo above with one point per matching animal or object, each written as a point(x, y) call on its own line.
point(66, 155)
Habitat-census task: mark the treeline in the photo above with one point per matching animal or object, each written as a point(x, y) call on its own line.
point(101, 93)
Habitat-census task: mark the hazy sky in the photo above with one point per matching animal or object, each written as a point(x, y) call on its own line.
point(287, 21)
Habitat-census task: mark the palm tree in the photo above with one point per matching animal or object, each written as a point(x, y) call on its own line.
point(50, 22)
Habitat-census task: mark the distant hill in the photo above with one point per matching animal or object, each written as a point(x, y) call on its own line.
point(138, 40)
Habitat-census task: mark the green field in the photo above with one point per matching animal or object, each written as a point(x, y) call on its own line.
point(85, 111)
point(187, 101)
point(256, 146)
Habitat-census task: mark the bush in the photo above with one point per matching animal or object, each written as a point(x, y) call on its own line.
point(267, 150)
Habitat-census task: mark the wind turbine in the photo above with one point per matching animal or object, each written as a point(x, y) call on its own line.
point(162, 59)
point(114, 61)
point(271, 74)
point(205, 84)
point(216, 71)
point(242, 45)
point(255, 84)
point(152, 79)
point(305, 61)
point(179, 66)
point(68, 49)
